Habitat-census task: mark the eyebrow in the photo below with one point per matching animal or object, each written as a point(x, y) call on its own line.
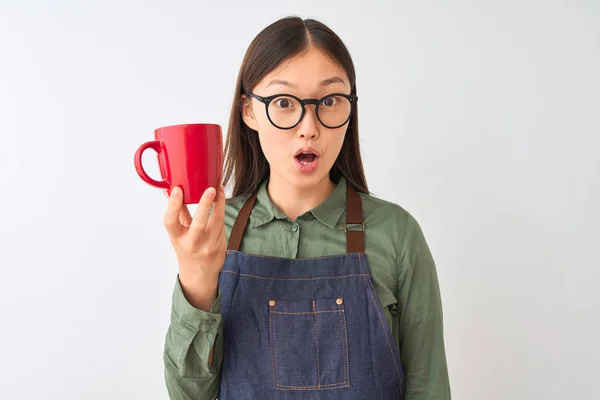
point(326, 82)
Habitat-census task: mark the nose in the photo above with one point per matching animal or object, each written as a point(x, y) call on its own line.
point(309, 125)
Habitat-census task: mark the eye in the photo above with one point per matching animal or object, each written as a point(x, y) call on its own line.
point(331, 101)
point(284, 102)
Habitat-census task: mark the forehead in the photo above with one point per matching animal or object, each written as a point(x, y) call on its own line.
point(306, 73)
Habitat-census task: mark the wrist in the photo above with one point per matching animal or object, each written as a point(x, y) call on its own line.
point(198, 279)
point(200, 291)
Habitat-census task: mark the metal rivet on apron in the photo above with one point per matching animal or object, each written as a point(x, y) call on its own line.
point(339, 301)
point(271, 303)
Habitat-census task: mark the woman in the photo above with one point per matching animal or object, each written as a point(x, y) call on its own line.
point(302, 285)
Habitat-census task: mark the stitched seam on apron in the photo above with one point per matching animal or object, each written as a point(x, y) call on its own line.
point(295, 279)
point(274, 349)
point(344, 351)
point(317, 345)
point(289, 258)
point(322, 387)
point(305, 312)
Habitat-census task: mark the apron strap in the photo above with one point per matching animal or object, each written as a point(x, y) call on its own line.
point(239, 226)
point(355, 239)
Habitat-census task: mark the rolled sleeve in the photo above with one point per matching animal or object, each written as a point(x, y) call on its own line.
point(189, 315)
point(190, 370)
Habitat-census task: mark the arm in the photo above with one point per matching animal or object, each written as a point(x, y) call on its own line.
point(193, 350)
point(421, 339)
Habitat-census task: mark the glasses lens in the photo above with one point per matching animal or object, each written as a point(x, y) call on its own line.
point(285, 111)
point(334, 110)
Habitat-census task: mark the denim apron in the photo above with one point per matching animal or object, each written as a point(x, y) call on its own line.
point(308, 328)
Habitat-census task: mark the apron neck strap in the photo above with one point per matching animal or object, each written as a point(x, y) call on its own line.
point(239, 226)
point(355, 239)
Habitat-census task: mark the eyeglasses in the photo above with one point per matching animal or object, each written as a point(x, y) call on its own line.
point(285, 111)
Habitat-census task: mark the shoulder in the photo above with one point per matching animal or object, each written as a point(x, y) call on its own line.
point(392, 222)
point(233, 205)
point(385, 212)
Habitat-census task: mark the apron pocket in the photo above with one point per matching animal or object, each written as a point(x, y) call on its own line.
point(308, 343)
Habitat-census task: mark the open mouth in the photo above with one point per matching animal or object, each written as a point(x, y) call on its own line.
point(306, 158)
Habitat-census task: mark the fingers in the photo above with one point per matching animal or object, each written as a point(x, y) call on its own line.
point(184, 216)
point(216, 221)
point(171, 217)
point(200, 219)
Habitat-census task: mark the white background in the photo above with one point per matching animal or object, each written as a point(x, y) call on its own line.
point(481, 118)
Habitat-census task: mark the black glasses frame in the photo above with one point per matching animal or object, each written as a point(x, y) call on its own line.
point(304, 103)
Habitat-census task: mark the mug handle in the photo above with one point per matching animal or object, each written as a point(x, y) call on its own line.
point(154, 145)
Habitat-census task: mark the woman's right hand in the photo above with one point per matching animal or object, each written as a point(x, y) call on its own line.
point(199, 244)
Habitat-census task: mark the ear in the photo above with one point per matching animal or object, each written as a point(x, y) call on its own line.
point(248, 113)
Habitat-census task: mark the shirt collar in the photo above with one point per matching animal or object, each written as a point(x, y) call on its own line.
point(328, 212)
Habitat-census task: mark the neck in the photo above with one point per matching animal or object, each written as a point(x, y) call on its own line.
point(294, 201)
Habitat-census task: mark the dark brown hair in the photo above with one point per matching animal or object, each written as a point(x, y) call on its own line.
point(286, 38)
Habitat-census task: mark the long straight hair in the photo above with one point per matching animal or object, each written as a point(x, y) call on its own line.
point(245, 162)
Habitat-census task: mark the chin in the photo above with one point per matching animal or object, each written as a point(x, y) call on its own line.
point(307, 181)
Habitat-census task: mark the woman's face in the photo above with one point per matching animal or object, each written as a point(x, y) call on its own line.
point(311, 75)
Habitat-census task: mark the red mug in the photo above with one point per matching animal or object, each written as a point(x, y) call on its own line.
point(189, 156)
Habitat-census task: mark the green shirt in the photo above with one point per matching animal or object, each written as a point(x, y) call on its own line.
point(403, 273)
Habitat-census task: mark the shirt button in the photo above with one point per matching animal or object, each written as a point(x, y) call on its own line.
point(295, 227)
